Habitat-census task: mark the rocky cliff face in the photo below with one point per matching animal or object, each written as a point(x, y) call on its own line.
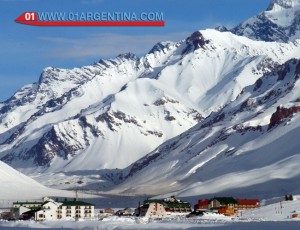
point(281, 114)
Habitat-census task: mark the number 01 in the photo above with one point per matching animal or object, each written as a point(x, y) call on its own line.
point(29, 16)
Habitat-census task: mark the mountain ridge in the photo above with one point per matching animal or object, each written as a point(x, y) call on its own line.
point(228, 63)
point(280, 22)
point(198, 103)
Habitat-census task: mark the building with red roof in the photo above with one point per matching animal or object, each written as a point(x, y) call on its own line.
point(202, 205)
point(243, 204)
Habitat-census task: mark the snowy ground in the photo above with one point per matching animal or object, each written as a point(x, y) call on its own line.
point(128, 223)
point(272, 216)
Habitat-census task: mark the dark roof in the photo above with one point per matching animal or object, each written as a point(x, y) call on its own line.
point(27, 202)
point(178, 204)
point(169, 204)
point(225, 200)
point(75, 203)
point(153, 201)
point(32, 211)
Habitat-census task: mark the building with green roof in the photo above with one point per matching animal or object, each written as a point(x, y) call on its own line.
point(171, 204)
point(53, 210)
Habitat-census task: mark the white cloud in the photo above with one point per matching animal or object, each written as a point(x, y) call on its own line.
point(107, 44)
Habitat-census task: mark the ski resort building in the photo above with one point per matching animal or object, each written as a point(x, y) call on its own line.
point(47, 211)
point(109, 211)
point(244, 204)
point(227, 205)
point(171, 206)
point(202, 205)
point(174, 205)
point(151, 210)
point(75, 209)
point(53, 210)
point(18, 208)
point(224, 205)
point(218, 202)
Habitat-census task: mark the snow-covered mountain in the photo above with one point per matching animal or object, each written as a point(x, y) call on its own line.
point(112, 113)
point(250, 147)
point(89, 111)
point(16, 186)
point(215, 112)
point(280, 22)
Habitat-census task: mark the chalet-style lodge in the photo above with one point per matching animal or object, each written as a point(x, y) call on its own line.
point(227, 205)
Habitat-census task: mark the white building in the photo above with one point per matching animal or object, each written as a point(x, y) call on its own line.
point(151, 210)
point(75, 209)
point(53, 210)
point(158, 208)
point(48, 210)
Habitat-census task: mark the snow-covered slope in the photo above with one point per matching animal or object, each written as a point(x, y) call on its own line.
point(112, 113)
point(249, 148)
point(17, 186)
point(280, 22)
point(66, 117)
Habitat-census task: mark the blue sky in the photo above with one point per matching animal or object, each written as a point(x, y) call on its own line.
point(26, 50)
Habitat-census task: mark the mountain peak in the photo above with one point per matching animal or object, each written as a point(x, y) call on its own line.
point(221, 28)
point(280, 22)
point(283, 3)
point(161, 46)
point(129, 56)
